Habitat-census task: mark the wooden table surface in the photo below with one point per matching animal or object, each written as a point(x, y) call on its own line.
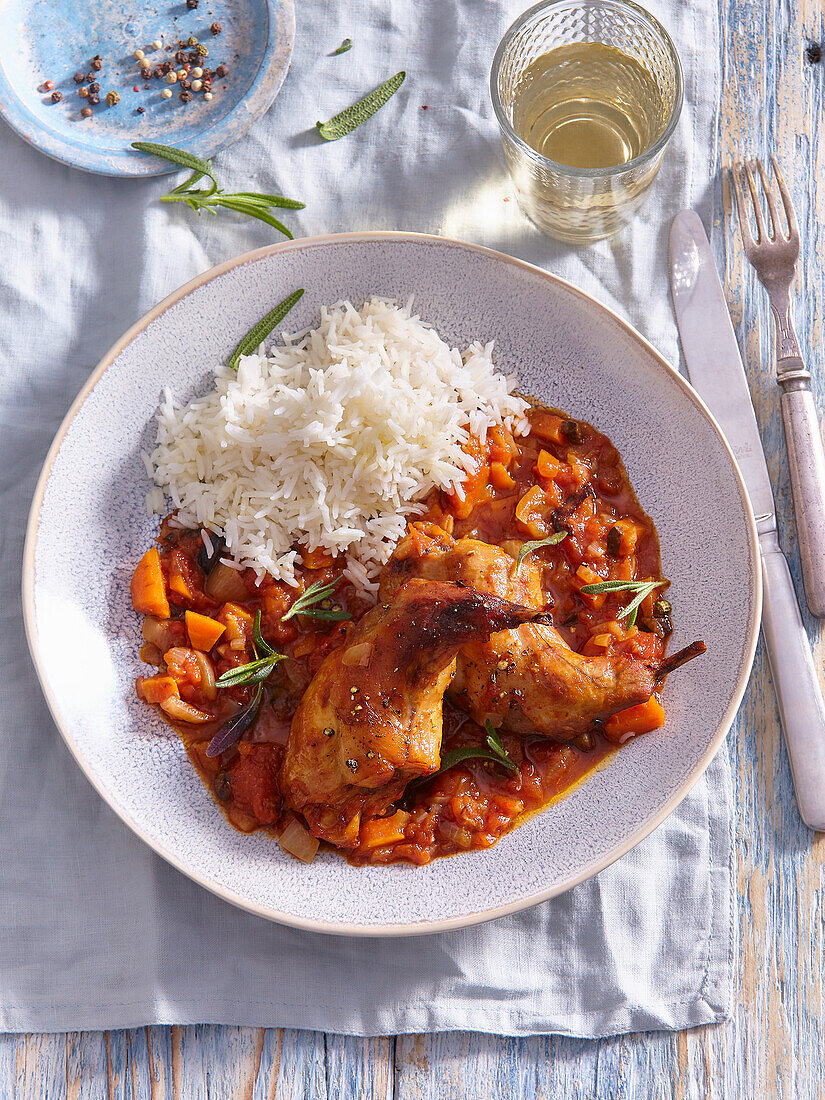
point(774, 1045)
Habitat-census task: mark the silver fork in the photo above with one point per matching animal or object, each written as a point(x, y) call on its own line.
point(773, 254)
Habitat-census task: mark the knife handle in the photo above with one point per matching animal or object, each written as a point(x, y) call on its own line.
point(797, 688)
point(806, 463)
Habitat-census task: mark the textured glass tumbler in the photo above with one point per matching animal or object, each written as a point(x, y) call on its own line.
point(584, 204)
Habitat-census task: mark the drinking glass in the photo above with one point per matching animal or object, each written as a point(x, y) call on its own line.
point(582, 204)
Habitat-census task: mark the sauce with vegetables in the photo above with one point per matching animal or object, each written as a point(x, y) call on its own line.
point(566, 479)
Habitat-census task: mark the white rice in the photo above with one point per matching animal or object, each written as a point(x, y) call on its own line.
point(329, 441)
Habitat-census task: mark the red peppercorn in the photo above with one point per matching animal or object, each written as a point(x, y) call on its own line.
point(48, 85)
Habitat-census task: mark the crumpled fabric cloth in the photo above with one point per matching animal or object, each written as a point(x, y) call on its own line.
point(95, 930)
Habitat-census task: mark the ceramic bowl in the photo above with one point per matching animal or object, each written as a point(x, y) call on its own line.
point(88, 527)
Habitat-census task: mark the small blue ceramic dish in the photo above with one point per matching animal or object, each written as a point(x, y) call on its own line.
point(42, 41)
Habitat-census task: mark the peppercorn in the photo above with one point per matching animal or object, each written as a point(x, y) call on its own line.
point(196, 85)
point(216, 28)
point(79, 78)
point(197, 72)
point(813, 54)
point(97, 62)
point(192, 4)
point(191, 40)
point(201, 50)
point(86, 112)
point(94, 87)
point(222, 70)
point(207, 95)
point(156, 45)
point(112, 98)
point(185, 97)
point(185, 84)
point(166, 93)
point(82, 92)
point(141, 111)
point(94, 98)
point(171, 78)
point(180, 56)
point(139, 55)
point(146, 74)
point(56, 96)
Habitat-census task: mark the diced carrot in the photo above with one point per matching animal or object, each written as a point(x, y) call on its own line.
point(148, 590)
point(179, 584)
point(319, 558)
point(203, 631)
point(588, 576)
point(238, 622)
point(155, 689)
point(547, 426)
point(548, 466)
point(501, 445)
point(643, 718)
point(629, 532)
point(533, 513)
point(500, 477)
point(378, 832)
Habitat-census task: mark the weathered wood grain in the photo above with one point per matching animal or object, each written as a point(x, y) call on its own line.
point(774, 1046)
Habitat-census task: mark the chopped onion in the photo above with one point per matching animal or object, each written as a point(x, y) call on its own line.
point(225, 584)
point(207, 671)
point(298, 841)
point(159, 632)
point(150, 654)
point(457, 835)
point(181, 711)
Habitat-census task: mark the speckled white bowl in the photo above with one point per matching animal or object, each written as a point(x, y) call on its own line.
point(88, 527)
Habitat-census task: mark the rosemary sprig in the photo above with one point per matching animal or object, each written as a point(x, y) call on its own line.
point(529, 547)
point(495, 751)
point(642, 589)
point(311, 603)
point(255, 672)
point(358, 113)
point(263, 328)
point(253, 204)
point(345, 45)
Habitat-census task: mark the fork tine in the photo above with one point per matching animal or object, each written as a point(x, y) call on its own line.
point(744, 224)
point(757, 206)
point(790, 213)
point(776, 225)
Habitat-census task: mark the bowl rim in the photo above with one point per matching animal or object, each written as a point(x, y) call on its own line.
point(345, 928)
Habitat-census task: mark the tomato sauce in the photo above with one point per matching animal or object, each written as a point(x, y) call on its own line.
point(565, 476)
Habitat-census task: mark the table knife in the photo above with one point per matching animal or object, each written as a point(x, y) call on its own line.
point(717, 374)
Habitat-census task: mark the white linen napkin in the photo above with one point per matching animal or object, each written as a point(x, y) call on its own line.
point(95, 930)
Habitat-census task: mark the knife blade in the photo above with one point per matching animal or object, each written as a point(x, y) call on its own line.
point(717, 374)
point(712, 354)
